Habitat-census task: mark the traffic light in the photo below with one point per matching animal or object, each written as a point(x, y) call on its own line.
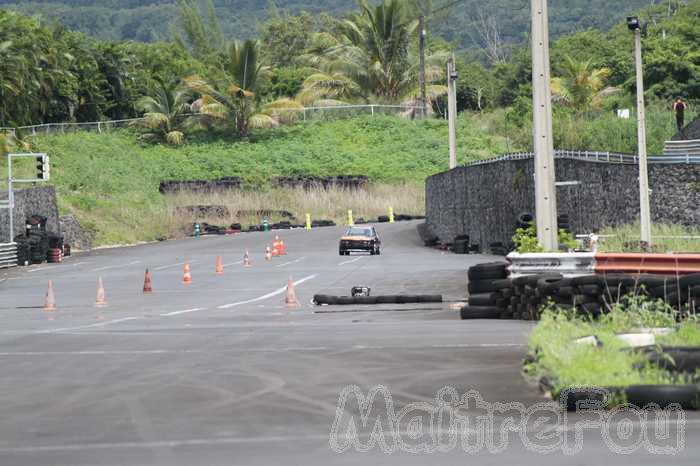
point(42, 167)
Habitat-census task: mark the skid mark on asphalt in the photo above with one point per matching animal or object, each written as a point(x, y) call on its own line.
point(111, 267)
point(98, 353)
point(97, 325)
point(290, 262)
point(267, 296)
point(351, 261)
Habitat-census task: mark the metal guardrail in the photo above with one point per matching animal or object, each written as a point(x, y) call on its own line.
point(568, 264)
point(664, 264)
point(8, 255)
point(595, 156)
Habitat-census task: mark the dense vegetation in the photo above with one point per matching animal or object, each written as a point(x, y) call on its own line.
point(149, 20)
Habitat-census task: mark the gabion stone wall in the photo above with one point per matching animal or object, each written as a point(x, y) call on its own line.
point(30, 201)
point(484, 201)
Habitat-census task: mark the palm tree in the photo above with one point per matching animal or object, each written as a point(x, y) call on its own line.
point(581, 86)
point(371, 57)
point(166, 112)
point(233, 99)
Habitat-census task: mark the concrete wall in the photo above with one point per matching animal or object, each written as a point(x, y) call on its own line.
point(30, 201)
point(484, 201)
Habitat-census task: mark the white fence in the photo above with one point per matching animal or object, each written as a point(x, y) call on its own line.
point(596, 156)
point(305, 114)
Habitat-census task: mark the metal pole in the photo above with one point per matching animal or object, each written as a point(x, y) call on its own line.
point(10, 198)
point(645, 210)
point(452, 110)
point(421, 72)
point(545, 189)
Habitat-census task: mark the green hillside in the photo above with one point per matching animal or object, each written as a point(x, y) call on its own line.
point(149, 20)
point(110, 181)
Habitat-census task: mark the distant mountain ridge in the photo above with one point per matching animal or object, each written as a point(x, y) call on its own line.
point(150, 20)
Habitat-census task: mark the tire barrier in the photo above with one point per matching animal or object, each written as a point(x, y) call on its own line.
point(200, 186)
point(321, 299)
point(685, 396)
point(37, 245)
point(202, 211)
point(311, 182)
point(524, 296)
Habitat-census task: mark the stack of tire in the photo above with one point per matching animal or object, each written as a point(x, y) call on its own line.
point(321, 299)
point(592, 295)
point(460, 245)
point(55, 254)
point(489, 292)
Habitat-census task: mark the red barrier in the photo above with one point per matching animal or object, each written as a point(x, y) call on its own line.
point(664, 264)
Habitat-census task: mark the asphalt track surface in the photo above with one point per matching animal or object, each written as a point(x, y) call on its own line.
point(219, 372)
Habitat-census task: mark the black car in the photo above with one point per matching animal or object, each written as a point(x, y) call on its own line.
point(362, 238)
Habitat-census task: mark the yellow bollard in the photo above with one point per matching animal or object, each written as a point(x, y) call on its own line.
point(391, 215)
point(351, 222)
point(308, 221)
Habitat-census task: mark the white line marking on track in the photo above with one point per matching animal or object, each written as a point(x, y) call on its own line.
point(187, 311)
point(179, 264)
point(99, 324)
point(116, 266)
point(290, 262)
point(56, 267)
point(351, 261)
point(233, 263)
point(267, 296)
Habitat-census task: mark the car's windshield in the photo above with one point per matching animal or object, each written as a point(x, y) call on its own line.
point(354, 231)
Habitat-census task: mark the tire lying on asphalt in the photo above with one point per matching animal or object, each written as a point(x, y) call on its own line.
point(480, 312)
point(484, 299)
point(491, 270)
point(482, 286)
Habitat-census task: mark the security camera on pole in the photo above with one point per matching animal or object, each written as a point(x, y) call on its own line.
point(635, 26)
point(545, 188)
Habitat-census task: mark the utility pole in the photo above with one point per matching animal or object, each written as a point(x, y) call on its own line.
point(421, 72)
point(644, 208)
point(452, 109)
point(545, 187)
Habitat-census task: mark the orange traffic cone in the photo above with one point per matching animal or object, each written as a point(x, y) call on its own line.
point(100, 301)
point(276, 246)
point(219, 266)
point(50, 301)
point(147, 287)
point(290, 300)
point(246, 259)
point(268, 253)
point(282, 248)
point(187, 276)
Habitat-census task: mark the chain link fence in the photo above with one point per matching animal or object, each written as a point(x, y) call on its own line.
point(305, 114)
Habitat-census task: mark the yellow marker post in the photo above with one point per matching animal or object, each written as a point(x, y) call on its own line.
point(391, 215)
point(351, 222)
point(308, 221)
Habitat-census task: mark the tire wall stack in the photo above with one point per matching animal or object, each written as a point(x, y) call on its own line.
point(483, 200)
point(525, 296)
point(30, 201)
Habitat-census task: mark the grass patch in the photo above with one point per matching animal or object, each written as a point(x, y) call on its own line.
point(110, 181)
point(665, 239)
point(569, 365)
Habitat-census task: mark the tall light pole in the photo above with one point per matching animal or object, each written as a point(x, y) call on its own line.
point(545, 187)
point(452, 109)
point(421, 72)
point(644, 208)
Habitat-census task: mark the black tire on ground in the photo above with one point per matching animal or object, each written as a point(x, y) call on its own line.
point(365, 300)
point(480, 312)
point(587, 280)
point(341, 252)
point(566, 291)
point(581, 299)
point(387, 299)
point(382, 219)
point(689, 281)
point(491, 270)
point(526, 218)
point(687, 396)
point(427, 298)
point(590, 290)
point(503, 284)
point(675, 358)
point(484, 299)
point(460, 246)
point(324, 299)
point(481, 286)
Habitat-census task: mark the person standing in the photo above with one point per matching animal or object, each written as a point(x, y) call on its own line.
point(679, 106)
